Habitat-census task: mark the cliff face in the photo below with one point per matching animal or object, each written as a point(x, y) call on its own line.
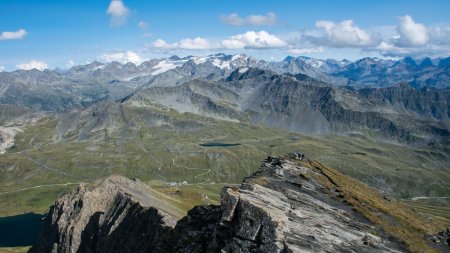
point(115, 215)
point(289, 205)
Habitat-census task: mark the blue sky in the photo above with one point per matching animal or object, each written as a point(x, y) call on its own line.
point(62, 33)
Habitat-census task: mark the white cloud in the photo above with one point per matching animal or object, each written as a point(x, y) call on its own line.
point(235, 20)
point(388, 49)
point(411, 33)
point(197, 43)
point(118, 12)
point(439, 35)
point(232, 19)
point(248, 40)
point(268, 19)
point(384, 46)
point(309, 50)
point(343, 34)
point(33, 64)
point(17, 35)
point(255, 40)
point(189, 44)
point(2, 68)
point(430, 50)
point(122, 57)
point(70, 63)
point(413, 39)
point(160, 43)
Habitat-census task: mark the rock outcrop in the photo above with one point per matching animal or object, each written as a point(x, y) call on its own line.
point(290, 204)
point(7, 137)
point(442, 237)
point(115, 215)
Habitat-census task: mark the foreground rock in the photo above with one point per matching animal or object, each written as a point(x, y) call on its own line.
point(442, 237)
point(115, 215)
point(289, 205)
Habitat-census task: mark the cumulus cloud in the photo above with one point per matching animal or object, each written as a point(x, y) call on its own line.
point(33, 64)
point(343, 34)
point(122, 57)
point(308, 50)
point(411, 33)
point(255, 20)
point(439, 35)
point(414, 39)
point(17, 35)
point(248, 40)
point(118, 12)
point(160, 43)
point(232, 19)
point(407, 37)
point(268, 19)
point(391, 50)
point(197, 43)
point(2, 68)
point(189, 44)
point(254, 40)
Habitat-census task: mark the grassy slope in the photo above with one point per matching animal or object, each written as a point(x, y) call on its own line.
point(437, 210)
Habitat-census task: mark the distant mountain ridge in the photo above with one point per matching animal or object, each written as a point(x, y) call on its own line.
point(366, 71)
point(299, 94)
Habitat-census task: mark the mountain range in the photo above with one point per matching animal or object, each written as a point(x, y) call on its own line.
point(298, 94)
point(83, 84)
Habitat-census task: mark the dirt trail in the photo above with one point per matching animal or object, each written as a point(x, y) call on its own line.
point(38, 186)
point(27, 156)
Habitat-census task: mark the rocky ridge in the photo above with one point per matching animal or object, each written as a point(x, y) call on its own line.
point(290, 204)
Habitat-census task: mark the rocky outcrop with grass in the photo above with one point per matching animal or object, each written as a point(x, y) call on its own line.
point(290, 204)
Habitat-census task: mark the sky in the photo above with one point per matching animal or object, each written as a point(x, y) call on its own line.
point(51, 33)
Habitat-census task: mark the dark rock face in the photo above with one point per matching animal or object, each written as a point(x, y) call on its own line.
point(197, 229)
point(308, 105)
point(281, 208)
point(442, 237)
point(116, 215)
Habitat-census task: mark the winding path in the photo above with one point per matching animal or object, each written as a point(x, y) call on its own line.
point(419, 198)
point(45, 167)
point(38, 186)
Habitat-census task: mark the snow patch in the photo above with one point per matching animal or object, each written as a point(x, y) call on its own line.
point(162, 67)
point(243, 70)
point(200, 60)
point(238, 57)
point(221, 64)
point(315, 63)
point(132, 77)
point(99, 67)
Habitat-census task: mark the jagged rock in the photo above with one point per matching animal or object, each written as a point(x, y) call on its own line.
point(115, 215)
point(289, 205)
point(443, 237)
